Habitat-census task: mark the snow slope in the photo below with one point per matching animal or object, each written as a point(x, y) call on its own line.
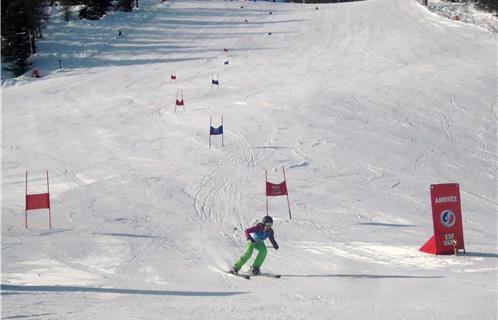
point(365, 104)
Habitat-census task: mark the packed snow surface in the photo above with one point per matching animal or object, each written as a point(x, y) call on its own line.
point(364, 104)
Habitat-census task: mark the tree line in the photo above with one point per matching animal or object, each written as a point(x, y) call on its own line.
point(489, 5)
point(22, 24)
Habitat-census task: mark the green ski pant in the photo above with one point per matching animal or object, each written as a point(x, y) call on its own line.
point(260, 258)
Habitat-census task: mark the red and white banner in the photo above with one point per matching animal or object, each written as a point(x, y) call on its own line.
point(446, 219)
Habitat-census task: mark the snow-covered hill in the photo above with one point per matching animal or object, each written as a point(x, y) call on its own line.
point(365, 104)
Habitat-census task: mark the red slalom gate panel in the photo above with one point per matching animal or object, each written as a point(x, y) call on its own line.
point(277, 189)
point(446, 219)
point(37, 201)
point(274, 190)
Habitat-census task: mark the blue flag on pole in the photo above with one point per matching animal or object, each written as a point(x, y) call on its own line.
point(214, 82)
point(216, 131)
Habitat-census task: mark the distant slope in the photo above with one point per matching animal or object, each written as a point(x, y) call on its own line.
point(365, 104)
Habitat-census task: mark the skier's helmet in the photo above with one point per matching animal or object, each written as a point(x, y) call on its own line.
point(267, 221)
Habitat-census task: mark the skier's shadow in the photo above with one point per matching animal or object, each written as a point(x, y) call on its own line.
point(359, 276)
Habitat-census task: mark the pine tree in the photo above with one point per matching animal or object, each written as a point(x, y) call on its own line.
point(490, 5)
point(94, 9)
point(125, 5)
point(16, 46)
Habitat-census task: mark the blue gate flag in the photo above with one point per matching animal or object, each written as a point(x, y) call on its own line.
point(216, 131)
point(214, 82)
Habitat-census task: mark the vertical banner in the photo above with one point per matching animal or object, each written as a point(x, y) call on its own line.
point(446, 219)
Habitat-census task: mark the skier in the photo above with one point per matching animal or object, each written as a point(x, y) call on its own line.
point(256, 237)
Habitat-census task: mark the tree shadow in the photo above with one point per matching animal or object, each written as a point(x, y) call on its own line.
point(27, 316)
point(128, 235)
point(271, 147)
point(84, 45)
point(386, 224)
point(479, 254)
point(67, 289)
point(54, 231)
point(359, 276)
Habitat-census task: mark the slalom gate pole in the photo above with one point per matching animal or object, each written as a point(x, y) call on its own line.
point(25, 205)
point(49, 212)
point(266, 194)
point(288, 202)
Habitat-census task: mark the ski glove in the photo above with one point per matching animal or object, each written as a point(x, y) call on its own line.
point(251, 239)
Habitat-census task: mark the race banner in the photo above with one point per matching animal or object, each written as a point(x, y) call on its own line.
point(446, 219)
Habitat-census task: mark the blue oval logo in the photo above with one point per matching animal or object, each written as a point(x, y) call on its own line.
point(448, 218)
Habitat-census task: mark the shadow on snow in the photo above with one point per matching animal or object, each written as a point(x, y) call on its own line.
point(359, 276)
point(386, 224)
point(479, 254)
point(18, 288)
point(131, 235)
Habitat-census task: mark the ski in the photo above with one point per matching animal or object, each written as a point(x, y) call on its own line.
point(241, 275)
point(271, 275)
point(263, 274)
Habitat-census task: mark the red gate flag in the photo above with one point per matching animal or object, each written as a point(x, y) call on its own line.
point(179, 100)
point(37, 201)
point(275, 190)
point(446, 219)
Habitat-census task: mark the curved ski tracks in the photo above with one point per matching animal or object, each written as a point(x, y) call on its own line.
point(221, 192)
